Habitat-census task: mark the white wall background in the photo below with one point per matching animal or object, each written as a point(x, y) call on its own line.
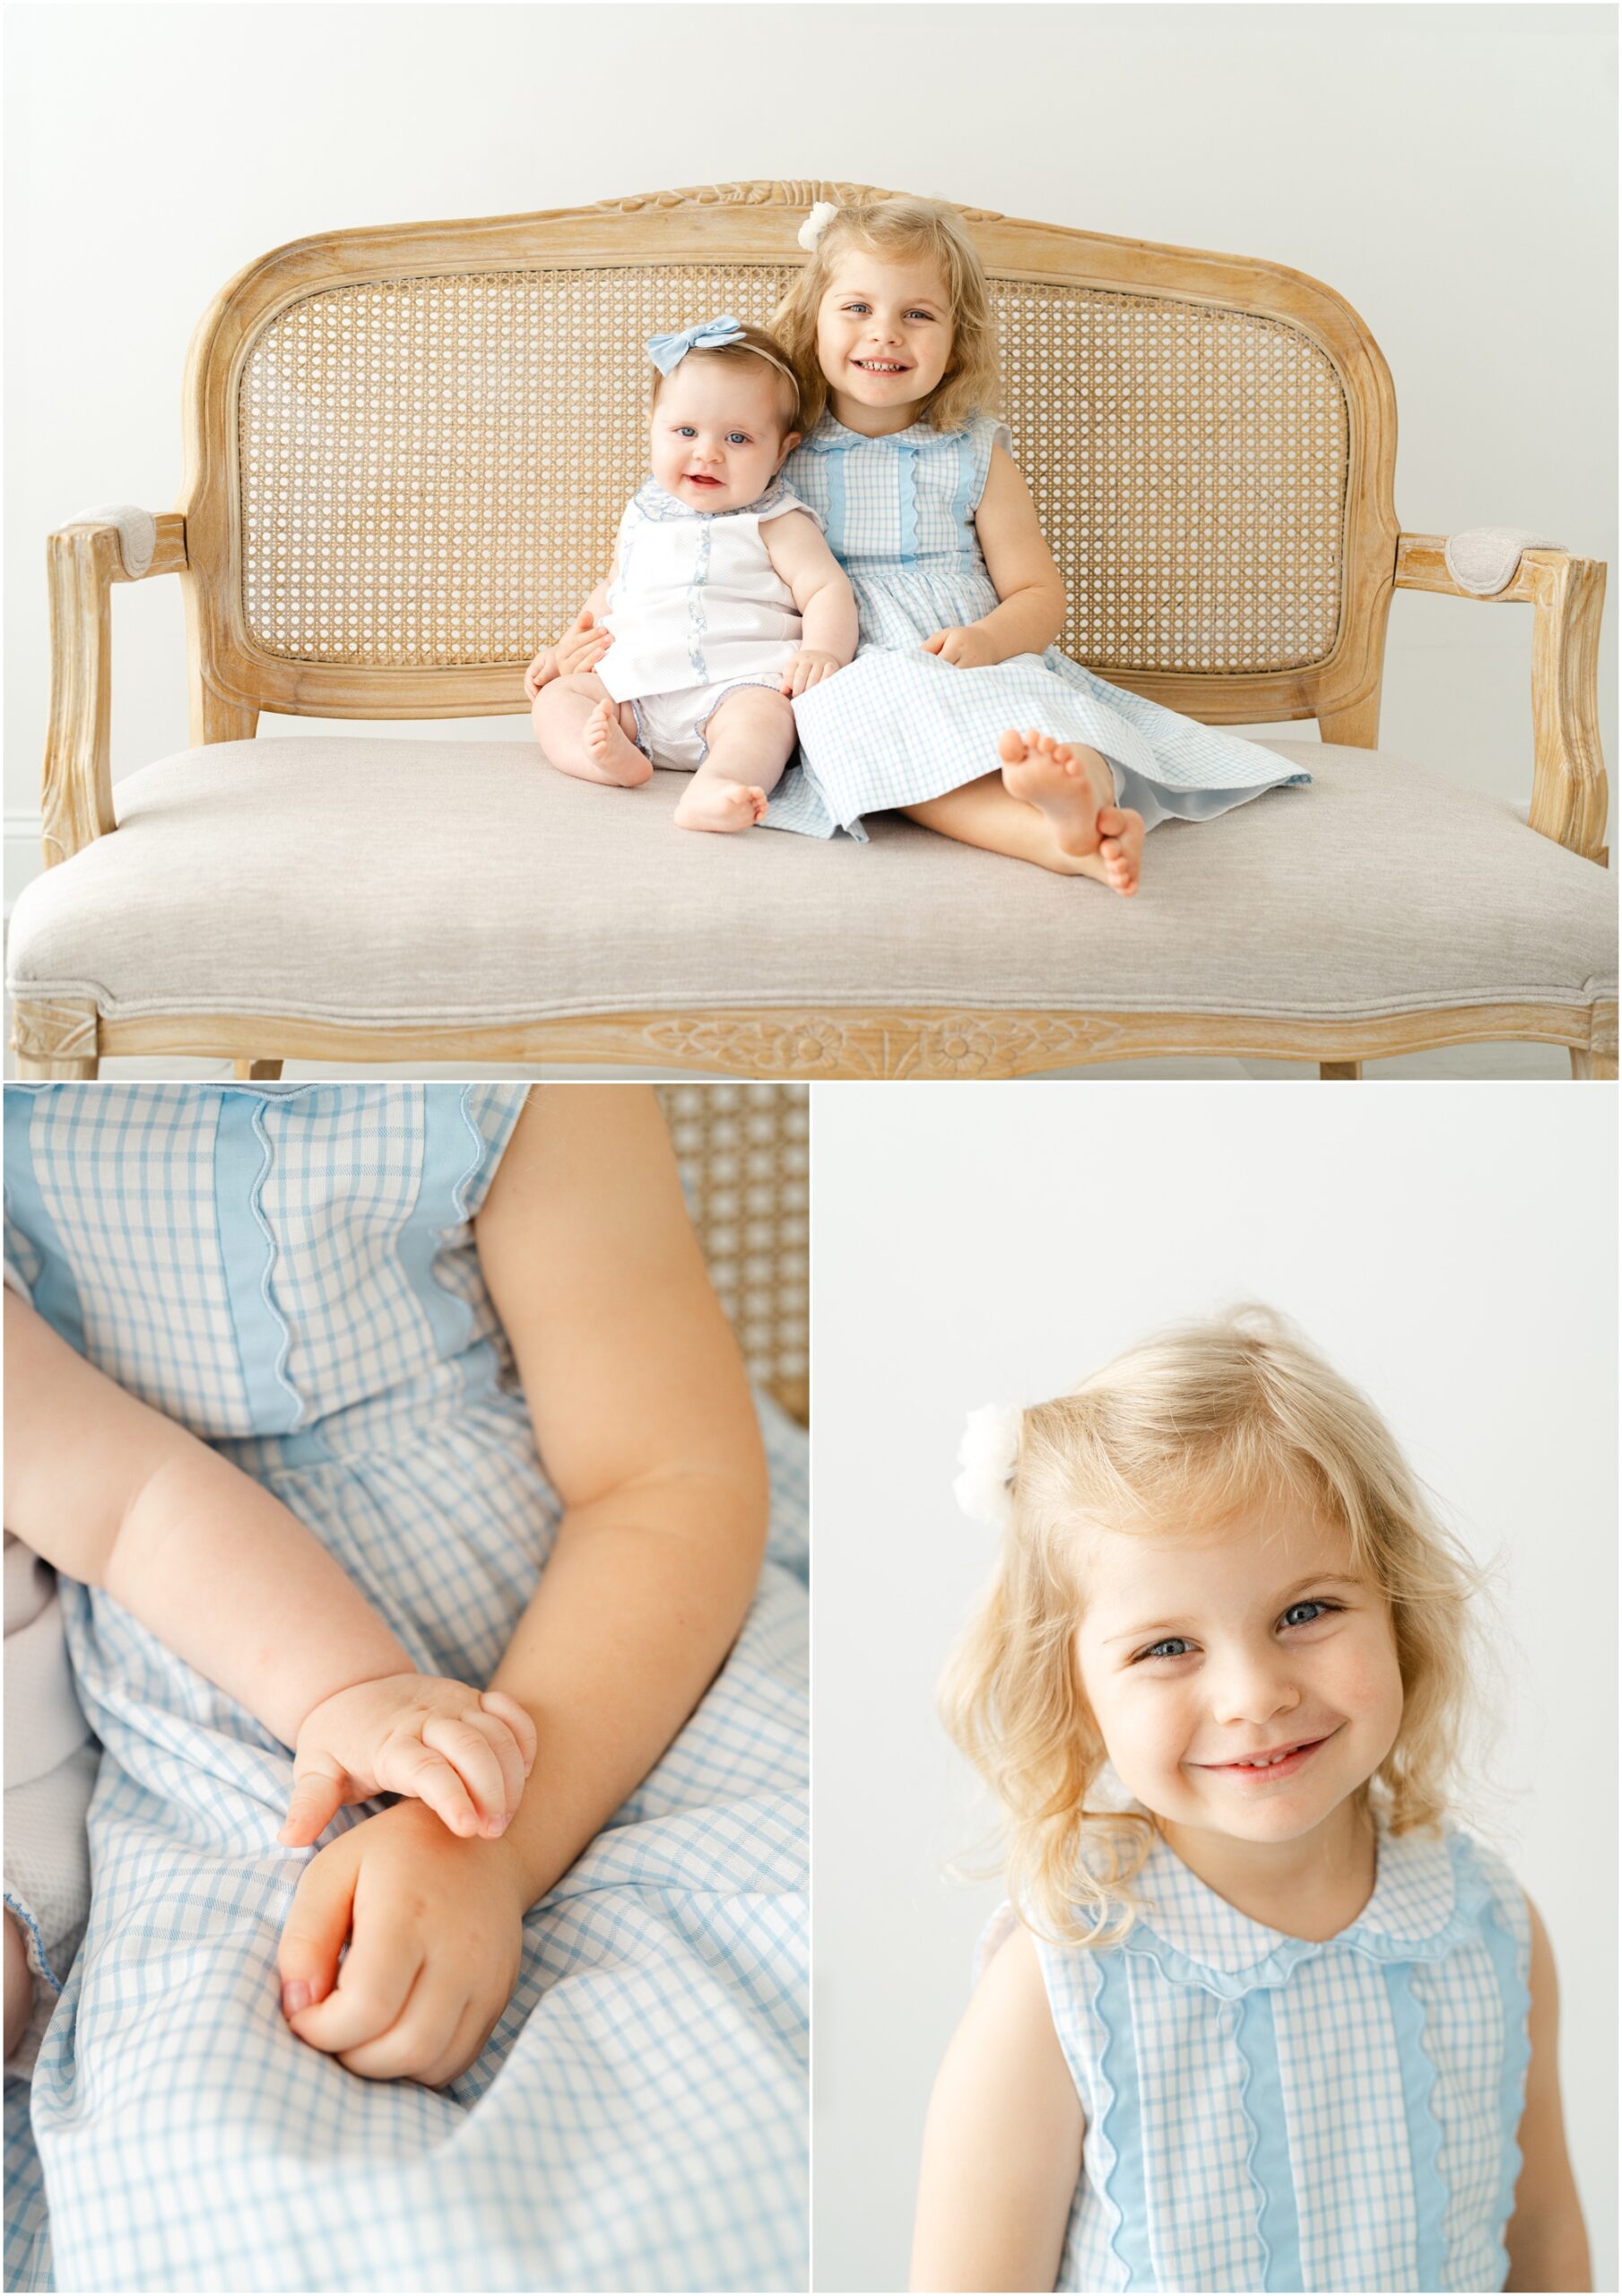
point(1449, 170)
point(972, 1245)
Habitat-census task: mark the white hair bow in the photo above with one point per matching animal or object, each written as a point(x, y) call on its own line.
point(810, 231)
point(988, 1455)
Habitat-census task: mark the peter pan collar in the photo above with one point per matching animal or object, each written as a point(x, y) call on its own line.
point(831, 437)
point(654, 502)
point(1427, 1896)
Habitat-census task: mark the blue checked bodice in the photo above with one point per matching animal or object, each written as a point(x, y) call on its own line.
point(900, 517)
point(1266, 2112)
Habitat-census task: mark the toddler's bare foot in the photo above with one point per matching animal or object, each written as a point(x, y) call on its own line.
point(707, 804)
point(1120, 853)
point(613, 756)
point(1064, 780)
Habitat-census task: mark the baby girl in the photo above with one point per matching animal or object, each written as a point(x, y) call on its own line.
point(723, 602)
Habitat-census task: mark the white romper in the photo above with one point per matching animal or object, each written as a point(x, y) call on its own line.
point(696, 610)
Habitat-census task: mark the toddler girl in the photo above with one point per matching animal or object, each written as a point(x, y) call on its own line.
point(890, 327)
point(360, 1316)
point(1258, 2017)
point(722, 597)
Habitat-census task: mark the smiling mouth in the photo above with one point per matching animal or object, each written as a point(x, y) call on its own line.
point(1281, 1758)
point(695, 479)
point(879, 366)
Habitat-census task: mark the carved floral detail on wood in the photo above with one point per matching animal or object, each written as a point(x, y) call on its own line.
point(772, 195)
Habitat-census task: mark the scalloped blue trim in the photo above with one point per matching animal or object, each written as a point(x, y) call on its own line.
point(836, 499)
point(965, 499)
point(1267, 2160)
point(832, 437)
point(1514, 1992)
point(447, 1171)
point(906, 505)
point(1121, 2124)
point(1418, 2077)
point(1471, 1893)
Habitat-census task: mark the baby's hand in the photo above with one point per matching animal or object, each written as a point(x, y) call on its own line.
point(969, 648)
point(581, 645)
point(463, 1753)
point(541, 671)
point(808, 668)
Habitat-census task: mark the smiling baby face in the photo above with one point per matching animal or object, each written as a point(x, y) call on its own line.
point(718, 431)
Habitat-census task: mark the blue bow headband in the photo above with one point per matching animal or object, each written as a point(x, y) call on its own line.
point(668, 351)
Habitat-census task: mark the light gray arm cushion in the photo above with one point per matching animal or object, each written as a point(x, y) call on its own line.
point(138, 533)
point(1484, 560)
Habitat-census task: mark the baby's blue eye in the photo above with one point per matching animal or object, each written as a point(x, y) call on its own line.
point(737, 438)
point(685, 431)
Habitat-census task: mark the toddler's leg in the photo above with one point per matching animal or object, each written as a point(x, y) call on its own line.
point(582, 732)
point(19, 1984)
point(1051, 804)
point(751, 738)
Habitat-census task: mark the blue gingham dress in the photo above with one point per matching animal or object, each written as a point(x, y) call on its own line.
point(898, 726)
point(1267, 2113)
point(290, 1272)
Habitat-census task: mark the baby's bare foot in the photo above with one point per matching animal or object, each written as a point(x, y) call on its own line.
point(714, 804)
point(1064, 780)
point(1120, 853)
point(614, 757)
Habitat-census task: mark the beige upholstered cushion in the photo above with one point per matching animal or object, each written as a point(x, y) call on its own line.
point(379, 882)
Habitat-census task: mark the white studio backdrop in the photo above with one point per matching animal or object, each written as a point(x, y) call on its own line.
point(973, 1245)
point(1450, 169)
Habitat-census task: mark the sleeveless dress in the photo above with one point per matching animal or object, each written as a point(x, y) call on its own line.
point(1263, 2112)
point(289, 1272)
point(898, 726)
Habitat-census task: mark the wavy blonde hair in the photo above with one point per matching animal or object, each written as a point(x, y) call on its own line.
point(1191, 1425)
point(890, 229)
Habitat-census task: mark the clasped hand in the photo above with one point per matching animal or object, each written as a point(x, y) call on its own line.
point(969, 647)
point(581, 647)
point(462, 1752)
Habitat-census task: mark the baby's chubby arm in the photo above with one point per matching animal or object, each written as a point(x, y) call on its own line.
point(1003, 2144)
point(116, 1495)
point(1030, 613)
point(825, 602)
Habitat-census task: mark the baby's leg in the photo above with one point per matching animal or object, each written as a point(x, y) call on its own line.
point(1051, 804)
point(19, 1984)
point(582, 731)
point(751, 738)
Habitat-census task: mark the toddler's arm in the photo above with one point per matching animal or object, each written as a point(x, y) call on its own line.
point(116, 1495)
point(1547, 2244)
point(643, 1416)
point(821, 592)
point(1002, 2144)
point(1031, 611)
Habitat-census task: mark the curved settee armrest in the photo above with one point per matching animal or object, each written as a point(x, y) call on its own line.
point(84, 559)
point(1567, 598)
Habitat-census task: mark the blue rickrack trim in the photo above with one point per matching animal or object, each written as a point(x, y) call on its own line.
point(1504, 1952)
point(1418, 2072)
point(243, 1161)
point(656, 502)
point(1121, 2125)
point(1473, 1895)
point(1267, 2159)
point(906, 505)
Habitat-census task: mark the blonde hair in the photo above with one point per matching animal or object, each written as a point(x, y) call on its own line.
point(752, 343)
point(1193, 1423)
point(891, 227)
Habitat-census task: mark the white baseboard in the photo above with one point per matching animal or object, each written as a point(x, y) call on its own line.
point(22, 861)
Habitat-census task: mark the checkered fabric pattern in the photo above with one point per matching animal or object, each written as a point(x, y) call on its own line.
point(1263, 2112)
point(899, 726)
point(636, 2120)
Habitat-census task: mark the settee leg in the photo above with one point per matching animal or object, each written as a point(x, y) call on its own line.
point(248, 1072)
point(1596, 1064)
point(1330, 1070)
point(56, 1040)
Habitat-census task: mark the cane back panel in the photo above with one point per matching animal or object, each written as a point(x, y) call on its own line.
point(411, 448)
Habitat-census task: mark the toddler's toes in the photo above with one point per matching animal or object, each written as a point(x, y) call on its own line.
point(1010, 747)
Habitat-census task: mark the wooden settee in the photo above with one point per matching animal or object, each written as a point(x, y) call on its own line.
point(407, 451)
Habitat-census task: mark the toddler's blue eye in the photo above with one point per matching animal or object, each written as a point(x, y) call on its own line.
point(1173, 1646)
point(1290, 1618)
